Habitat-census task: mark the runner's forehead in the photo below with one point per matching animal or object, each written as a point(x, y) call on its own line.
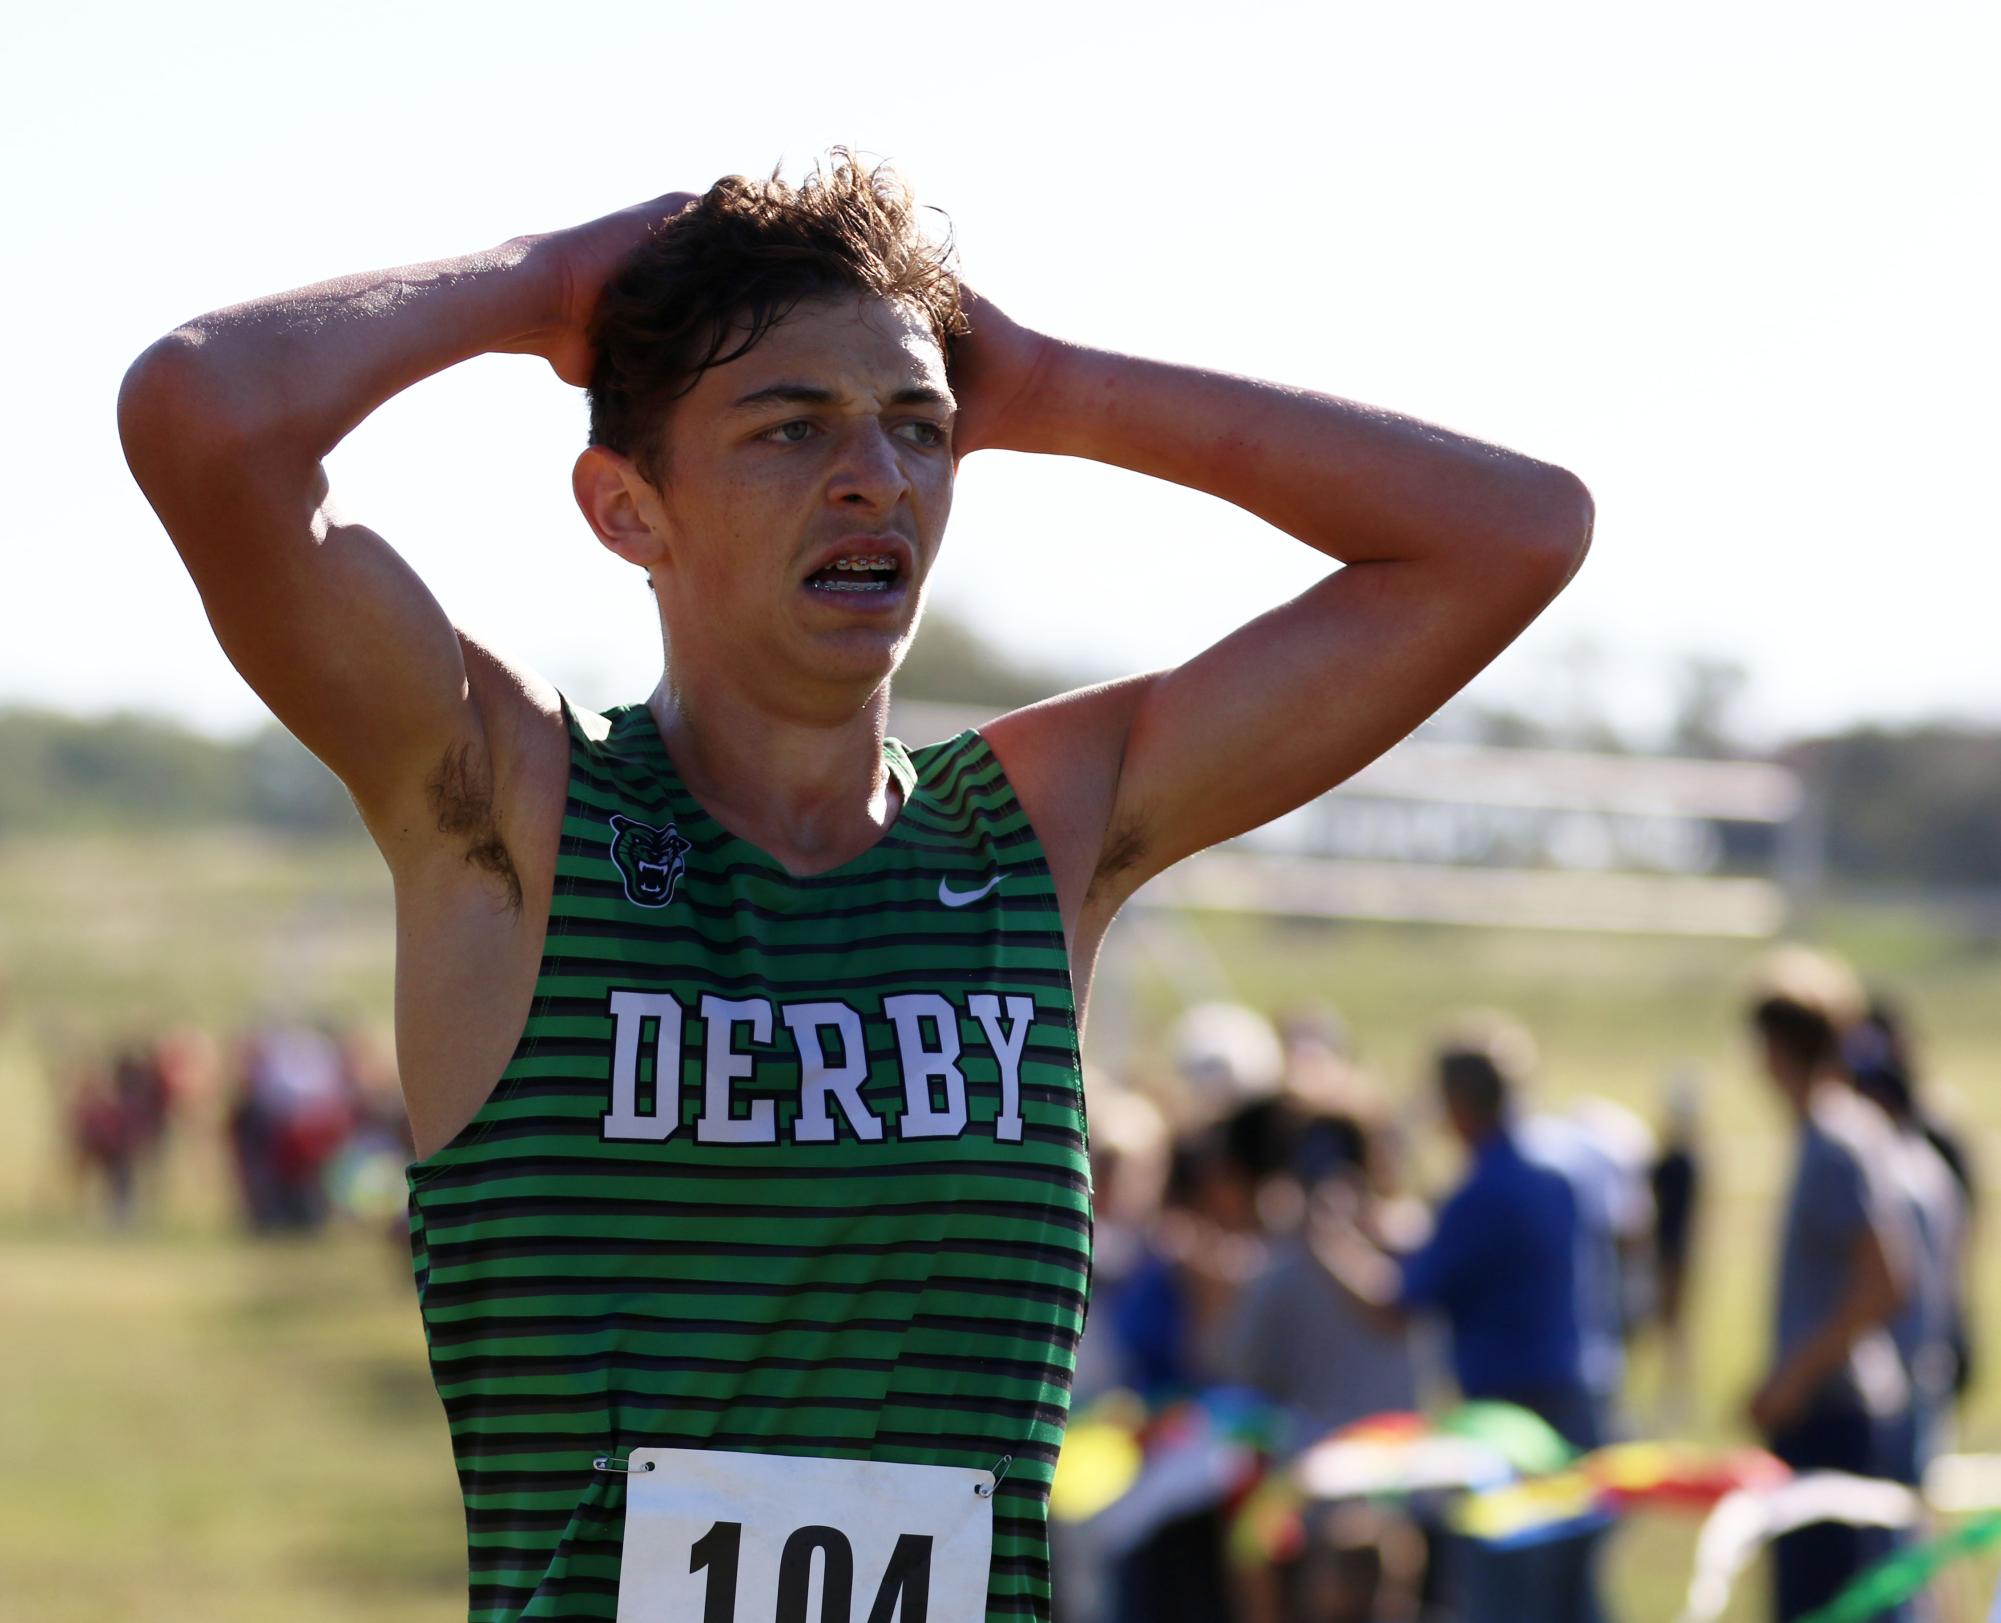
point(835, 351)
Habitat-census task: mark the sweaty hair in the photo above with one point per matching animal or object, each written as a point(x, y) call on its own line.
point(712, 281)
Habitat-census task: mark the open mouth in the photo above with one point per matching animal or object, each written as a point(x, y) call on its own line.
point(862, 572)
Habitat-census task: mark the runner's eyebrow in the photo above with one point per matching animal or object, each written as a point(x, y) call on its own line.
point(807, 394)
point(792, 394)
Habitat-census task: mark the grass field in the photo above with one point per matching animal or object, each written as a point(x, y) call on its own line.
point(197, 1427)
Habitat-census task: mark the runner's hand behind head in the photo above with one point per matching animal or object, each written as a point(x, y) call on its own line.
point(226, 420)
point(994, 367)
point(583, 258)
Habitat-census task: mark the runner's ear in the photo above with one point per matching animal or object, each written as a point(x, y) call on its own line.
point(620, 505)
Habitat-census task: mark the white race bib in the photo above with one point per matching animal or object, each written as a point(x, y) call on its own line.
point(714, 1537)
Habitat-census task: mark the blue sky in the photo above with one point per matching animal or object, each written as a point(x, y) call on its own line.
point(1731, 263)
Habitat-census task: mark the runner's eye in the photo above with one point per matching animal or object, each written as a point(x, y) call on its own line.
point(783, 431)
point(932, 434)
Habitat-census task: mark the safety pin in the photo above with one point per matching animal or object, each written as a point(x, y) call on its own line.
point(604, 1462)
point(999, 1471)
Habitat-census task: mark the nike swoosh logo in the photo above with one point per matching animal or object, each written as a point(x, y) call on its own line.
point(959, 898)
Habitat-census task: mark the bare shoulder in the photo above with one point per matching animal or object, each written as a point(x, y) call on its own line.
point(1063, 758)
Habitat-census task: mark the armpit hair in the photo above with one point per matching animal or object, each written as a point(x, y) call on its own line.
point(1124, 846)
point(460, 790)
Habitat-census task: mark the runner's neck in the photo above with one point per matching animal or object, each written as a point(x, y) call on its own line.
point(812, 796)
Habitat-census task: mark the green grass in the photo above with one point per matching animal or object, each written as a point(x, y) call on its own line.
point(197, 1427)
point(219, 1431)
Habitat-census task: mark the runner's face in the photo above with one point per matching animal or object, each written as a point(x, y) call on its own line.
point(828, 444)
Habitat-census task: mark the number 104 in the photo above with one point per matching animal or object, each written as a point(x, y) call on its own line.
point(903, 1596)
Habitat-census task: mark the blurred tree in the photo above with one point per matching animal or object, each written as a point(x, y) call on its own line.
point(285, 786)
point(72, 773)
point(1914, 806)
point(1585, 671)
point(62, 773)
point(1707, 692)
point(951, 664)
point(1911, 806)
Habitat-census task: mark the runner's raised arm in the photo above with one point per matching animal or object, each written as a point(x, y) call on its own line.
point(226, 421)
point(1452, 546)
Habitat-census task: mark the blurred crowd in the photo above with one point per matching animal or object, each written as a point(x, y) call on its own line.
point(1262, 1227)
point(310, 1119)
point(1273, 1222)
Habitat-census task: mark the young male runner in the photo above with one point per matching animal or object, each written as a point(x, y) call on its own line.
point(741, 1044)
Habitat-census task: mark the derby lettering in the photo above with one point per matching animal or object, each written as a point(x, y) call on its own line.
point(807, 1083)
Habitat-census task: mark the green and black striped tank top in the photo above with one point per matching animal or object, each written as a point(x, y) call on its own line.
point(779, 1165)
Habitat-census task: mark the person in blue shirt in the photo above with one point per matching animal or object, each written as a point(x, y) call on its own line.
point(1501, 1270)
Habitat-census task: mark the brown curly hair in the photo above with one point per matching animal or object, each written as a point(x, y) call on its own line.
point(712, 281)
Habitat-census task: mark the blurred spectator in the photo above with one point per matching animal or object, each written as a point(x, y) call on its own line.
point(188, 1062)
point(140, 1089)
point(1225, 1056)
point(1170, 1309)
point(1170, 1313)
point(1321, 1076)
point(1502, 1269)
point(120, 1116)
point(294, 1110)
point(1929, 1326)
point(1132, 1326)
point(101, 1138)
point(1614, 1216)
point(1954, 1149)
point(1297, 1337)
point(1676, 1179)
point(1169, 1322)
point(315, 1123)
point(1623, 1137)
point(1313, 1026)
point(1129, 1164)
point(1836, 1394)
point(364, 1177)
point(1358, 1563)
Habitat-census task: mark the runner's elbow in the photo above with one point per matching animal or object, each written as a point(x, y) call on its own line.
point(1581, 514)
point(1563, 512)
point(174, 396)
point(1551, 528)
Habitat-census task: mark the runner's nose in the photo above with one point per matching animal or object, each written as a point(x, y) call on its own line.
point(870, 471)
